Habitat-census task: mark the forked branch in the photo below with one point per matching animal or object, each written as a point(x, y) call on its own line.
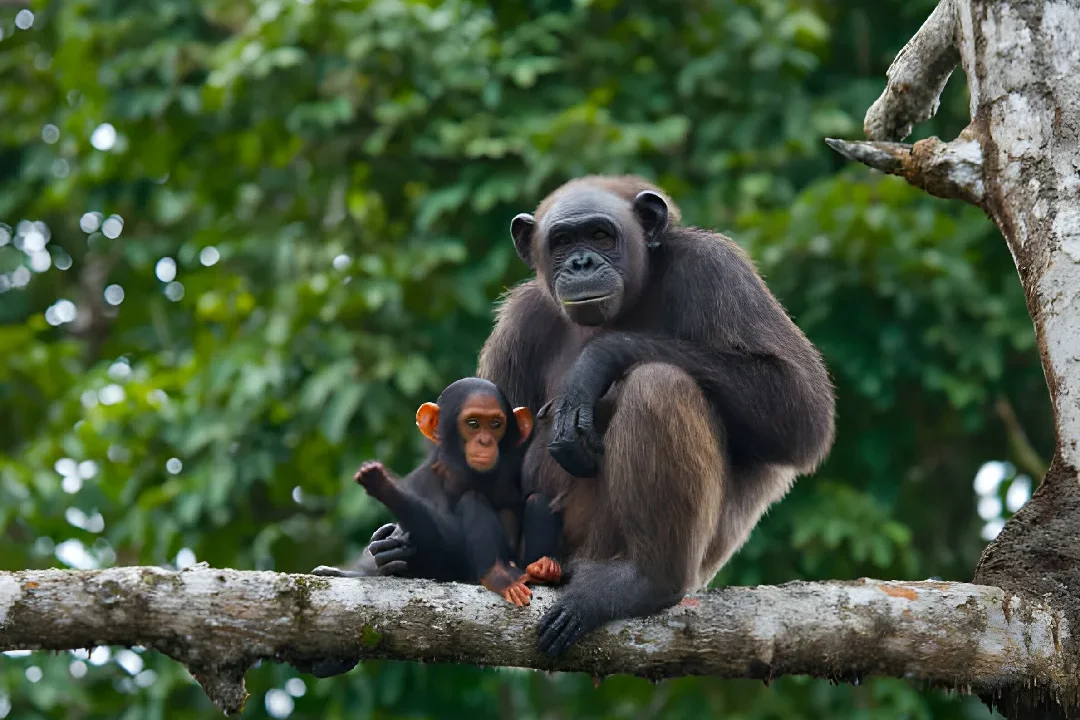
point(916, 78)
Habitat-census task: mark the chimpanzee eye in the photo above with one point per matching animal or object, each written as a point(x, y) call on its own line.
point(473, 423)
point(603, 240)
point(496, 424)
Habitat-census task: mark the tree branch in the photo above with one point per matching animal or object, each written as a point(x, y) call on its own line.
point(1027, 457)
point(949, 170)
point(219, 622)
point(916, 77)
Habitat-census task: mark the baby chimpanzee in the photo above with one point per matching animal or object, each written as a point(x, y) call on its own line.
point(463, 507)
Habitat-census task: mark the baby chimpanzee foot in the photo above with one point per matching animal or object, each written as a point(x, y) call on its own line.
point(518, 593)
point(505, 580)
point(544, 571)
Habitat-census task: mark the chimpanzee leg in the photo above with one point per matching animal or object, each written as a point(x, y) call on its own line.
point(488, 549)
point(542, 531)
point(661, 489)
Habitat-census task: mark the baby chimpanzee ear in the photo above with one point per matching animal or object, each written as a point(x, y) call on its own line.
point(524, 422)
point(427, 419)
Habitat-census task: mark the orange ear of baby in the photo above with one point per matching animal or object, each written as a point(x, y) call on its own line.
point(427, 419)
point(524, 419)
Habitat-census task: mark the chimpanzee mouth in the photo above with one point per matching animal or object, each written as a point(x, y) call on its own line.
point(587, 299)
point(482, 461)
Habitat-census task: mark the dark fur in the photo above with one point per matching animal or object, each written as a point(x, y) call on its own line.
point(718, 402)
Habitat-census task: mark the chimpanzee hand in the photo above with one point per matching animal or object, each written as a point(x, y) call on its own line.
point(574, 442)
point(372, 477)
point(391, 547)
point(385, 555)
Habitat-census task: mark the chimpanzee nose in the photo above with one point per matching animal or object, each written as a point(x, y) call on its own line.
point(585, 260)
point(484, 440)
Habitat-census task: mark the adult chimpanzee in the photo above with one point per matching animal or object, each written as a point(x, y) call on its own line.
point(679, 392)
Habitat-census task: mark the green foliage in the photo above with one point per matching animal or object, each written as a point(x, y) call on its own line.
point(274, 228)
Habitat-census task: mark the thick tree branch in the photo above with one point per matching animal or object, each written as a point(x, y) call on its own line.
point(219, 622)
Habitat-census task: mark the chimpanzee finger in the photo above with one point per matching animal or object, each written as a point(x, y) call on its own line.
point(565, 443)
point(397, 540)
point(560, 628)
point(551, 626)
point(586, 436)
point(396, 567)
point(574, 459)
point(518, 595)
point(586, 428)
point(384, 532)
point(393, 554)
point(327, 571)
point(378, 546)
point(569, 635)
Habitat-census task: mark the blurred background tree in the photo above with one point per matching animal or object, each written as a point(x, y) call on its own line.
point(244, 239)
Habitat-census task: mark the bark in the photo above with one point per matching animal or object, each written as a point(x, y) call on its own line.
point(219, 622)
point(1019, 160)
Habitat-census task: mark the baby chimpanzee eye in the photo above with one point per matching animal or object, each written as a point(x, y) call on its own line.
point(473, 423)
point(496, 424)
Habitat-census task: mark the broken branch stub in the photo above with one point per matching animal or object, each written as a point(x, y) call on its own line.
point(949, 170)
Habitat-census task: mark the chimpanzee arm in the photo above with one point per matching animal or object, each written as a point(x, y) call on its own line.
point(436, 533)
point(542, 539)
point(770, 409)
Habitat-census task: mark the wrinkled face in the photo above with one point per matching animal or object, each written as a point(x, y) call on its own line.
point(481, 424)
point(591, 248)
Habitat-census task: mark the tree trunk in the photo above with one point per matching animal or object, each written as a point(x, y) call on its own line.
point(1019, 160)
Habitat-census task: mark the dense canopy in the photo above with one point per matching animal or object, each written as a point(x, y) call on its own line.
point(241, 242)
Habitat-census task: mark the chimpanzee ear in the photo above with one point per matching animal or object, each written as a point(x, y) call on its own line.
point(524, 419)
point(521, 229)
point(427, 419)
point(652, 212)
